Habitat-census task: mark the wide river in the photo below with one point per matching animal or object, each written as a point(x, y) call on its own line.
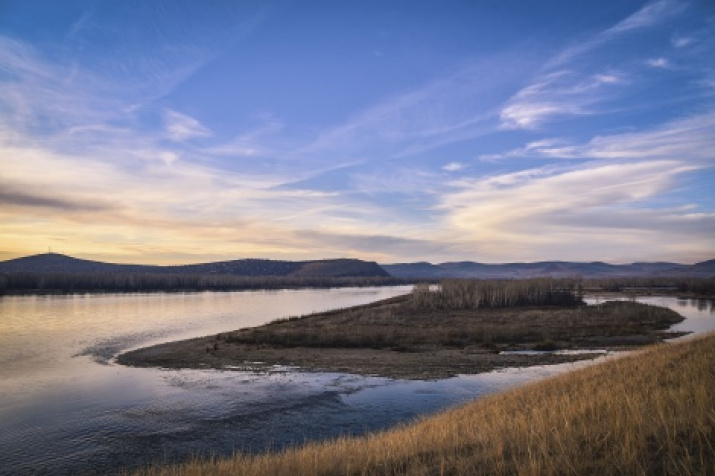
point(65, 408)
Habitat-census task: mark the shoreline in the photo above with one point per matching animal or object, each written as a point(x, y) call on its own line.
point(398, 282)
point(70, 292)
point(649, 412)
point(433, 365)
point(389, 339)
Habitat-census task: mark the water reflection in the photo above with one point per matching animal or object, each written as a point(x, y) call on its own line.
point(700, 303)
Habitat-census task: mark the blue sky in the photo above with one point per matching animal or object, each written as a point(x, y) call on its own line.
point(493, 131)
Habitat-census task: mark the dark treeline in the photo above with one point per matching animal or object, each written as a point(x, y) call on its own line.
point(448, 294)
point(498, 293)
point(492, 293)
point(27, 283)
point(698, 286)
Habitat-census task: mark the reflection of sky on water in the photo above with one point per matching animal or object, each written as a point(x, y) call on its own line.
point(62, 408)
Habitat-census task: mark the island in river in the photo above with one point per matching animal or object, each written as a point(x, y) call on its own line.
point(397, 339)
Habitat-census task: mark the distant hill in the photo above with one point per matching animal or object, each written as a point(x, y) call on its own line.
point(345, 268)
point(596, 269)
point(63, 264)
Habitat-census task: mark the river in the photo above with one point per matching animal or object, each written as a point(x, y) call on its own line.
point(65, 408)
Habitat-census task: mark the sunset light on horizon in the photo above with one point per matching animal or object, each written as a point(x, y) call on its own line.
point(173, 132)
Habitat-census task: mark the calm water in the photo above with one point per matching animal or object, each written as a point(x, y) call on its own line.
point(66, 409)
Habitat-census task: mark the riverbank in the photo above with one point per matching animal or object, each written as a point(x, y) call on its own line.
point(50, 284)
point(393, 338)
point(651, 412)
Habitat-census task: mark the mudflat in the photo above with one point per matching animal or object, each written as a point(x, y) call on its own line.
point(393, 338)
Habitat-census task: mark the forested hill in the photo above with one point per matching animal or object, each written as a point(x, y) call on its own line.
point(56, 263)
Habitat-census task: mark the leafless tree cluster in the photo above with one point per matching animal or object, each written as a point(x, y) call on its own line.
point(476, 293)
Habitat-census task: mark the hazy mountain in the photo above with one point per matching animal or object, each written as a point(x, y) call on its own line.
point(58, 263)
point(596, 269)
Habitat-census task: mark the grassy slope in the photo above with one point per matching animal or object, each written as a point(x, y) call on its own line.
point(648, 413)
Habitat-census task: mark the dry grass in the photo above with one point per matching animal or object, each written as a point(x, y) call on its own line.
point(396, 324)
point(648, 413)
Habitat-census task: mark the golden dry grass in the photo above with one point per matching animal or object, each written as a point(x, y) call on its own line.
point(396, 325)
point(648, 413)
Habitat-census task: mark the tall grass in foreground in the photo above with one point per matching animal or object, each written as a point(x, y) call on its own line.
point(648, 413)
point(494, 293)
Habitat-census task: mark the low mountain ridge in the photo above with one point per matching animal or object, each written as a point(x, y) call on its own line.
point(55, 263)
point(62, 264)
point(555, 269)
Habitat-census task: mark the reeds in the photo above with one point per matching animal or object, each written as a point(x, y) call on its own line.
point(647, 413)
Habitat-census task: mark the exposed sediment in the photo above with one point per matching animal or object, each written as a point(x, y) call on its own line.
point(392, 339)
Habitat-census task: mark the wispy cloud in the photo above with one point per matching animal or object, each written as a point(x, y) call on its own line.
point(180, 127)
point(561, 93)
point(658, 63)
point(679, 41)
point(252, 143)
point(688, 139)
point(453, 166)
point(75, 84)
point(183, 207)
point(647, 16)
point(102, 151)
point(545, 212)
point(34, 98)
point(382, 248)
point(395, 180)
point(80, 154)
point(565, 88)
point(457, 107)
point(11, 197)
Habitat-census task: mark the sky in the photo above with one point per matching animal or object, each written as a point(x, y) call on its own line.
point(173, 131)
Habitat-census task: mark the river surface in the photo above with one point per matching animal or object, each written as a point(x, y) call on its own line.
point(65, 408)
